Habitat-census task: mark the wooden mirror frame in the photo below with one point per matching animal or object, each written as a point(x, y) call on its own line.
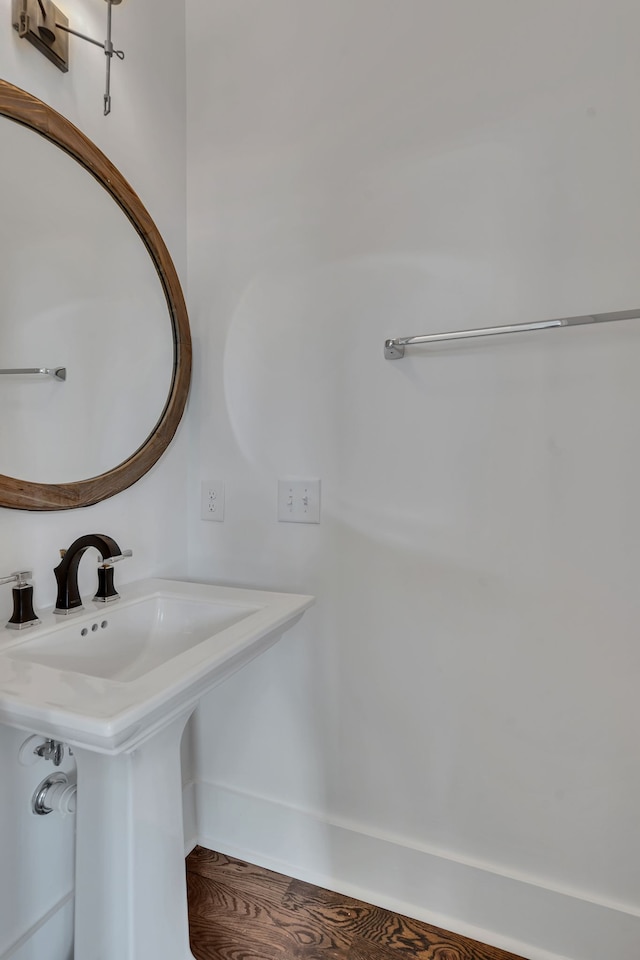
point(17, 105)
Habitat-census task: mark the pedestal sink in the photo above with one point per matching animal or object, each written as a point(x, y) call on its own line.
point(118, 683)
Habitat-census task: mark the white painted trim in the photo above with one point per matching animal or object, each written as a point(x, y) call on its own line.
point(56, 926)
point(519, 914)
point(476, 900)
point(188, 817)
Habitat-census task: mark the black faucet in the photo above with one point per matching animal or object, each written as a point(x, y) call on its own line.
point(69, 600)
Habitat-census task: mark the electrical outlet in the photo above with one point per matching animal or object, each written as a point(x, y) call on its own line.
point(212, 500)
point(299, 501)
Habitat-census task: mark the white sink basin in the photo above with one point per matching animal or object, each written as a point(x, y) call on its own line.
point(125, 642)
point(100, 678)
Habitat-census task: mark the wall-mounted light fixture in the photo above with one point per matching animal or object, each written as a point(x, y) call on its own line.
point(46, 27)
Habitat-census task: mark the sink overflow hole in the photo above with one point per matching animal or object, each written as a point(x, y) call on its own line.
point(94, 627)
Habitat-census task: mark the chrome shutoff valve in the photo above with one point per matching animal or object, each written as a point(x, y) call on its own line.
point(51, 750)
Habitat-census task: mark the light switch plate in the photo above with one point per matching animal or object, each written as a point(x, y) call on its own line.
point(299, 500)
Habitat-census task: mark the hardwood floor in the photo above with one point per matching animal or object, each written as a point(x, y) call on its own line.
point(238, 911)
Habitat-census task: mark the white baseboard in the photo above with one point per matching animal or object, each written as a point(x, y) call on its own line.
point(476, 900)
point(52, 934)
point(188, 818)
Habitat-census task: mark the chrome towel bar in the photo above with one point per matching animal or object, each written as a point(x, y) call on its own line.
point(394, 349)
point(56, 373)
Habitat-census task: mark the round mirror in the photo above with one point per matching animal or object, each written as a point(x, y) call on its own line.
point(95, 350)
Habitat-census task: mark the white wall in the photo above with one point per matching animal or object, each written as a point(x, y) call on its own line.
point(466, 685)
point(145, 138)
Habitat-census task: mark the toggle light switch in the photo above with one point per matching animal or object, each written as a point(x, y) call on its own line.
point(299, 500)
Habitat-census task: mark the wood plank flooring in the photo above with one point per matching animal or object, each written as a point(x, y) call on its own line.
point(238, 911)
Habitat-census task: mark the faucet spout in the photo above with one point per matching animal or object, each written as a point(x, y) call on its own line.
point(69, 600)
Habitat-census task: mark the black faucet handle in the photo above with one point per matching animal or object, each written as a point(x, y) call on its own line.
point(23, 613)
point(106, 591)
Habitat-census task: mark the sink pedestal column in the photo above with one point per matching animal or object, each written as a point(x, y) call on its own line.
point(131, 896)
